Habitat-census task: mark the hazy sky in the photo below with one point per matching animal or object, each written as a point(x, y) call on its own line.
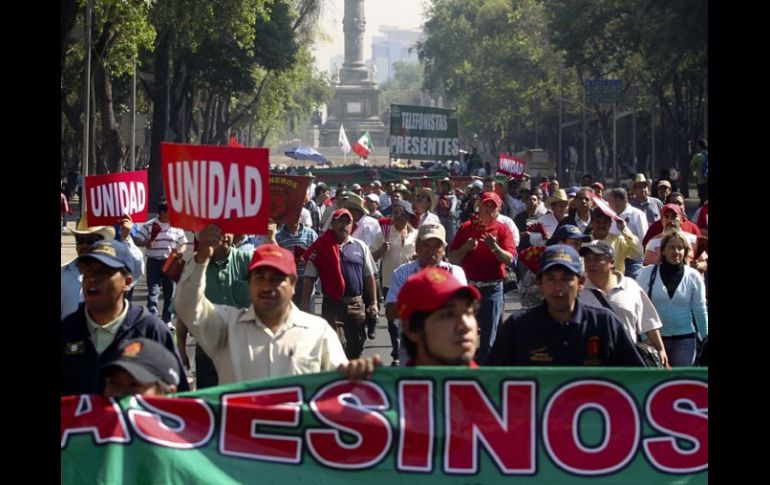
point(406, 14)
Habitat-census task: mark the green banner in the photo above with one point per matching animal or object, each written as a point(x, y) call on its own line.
point(365, 175)
point(417, 425)
point(423, 133)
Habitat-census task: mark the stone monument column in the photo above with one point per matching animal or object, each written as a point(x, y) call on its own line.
point(353, 69)
point(356, 103)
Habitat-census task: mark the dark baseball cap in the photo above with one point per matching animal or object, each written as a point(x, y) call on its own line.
point(602, 248)
point(561, 254)
point(147, 360)
point(112, 253)
point(567, 231)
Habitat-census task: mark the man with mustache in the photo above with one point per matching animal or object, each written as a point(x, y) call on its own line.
point(346, 268)
point(430, 247)
point(272, 337)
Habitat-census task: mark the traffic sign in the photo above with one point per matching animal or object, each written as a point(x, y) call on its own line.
point(603, 91)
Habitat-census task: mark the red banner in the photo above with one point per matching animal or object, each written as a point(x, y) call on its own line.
point(110, 197)
point(226, 186)
point(511, 166)
point(287, 195)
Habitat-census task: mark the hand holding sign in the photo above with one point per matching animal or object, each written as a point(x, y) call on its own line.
point(208, 239)
point(604, 207)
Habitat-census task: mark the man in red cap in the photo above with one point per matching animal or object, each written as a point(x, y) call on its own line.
point(484, 247)
point(272, 337)
point(346, 268)
point(442, 329)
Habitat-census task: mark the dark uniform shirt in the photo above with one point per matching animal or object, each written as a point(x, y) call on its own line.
point(592, 336)
point(352, 264)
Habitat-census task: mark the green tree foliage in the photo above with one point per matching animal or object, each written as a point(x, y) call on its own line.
point(404, 88)
point(492, 58)
point(659, 49)
point(205, 68)
point(120, 29)
point(508, 66)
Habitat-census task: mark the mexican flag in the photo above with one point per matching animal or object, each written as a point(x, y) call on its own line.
point(364, 145)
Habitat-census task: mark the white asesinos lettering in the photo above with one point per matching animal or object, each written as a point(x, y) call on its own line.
point(201, 188)
point(117, 199)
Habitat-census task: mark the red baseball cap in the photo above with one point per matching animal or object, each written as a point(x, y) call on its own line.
point(673, 207)
point(598, 184)
point(341, 212)
point(487, 196)
point(428, 290)
point(273, 256)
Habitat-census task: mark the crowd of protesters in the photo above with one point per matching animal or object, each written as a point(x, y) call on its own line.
point(597, 272)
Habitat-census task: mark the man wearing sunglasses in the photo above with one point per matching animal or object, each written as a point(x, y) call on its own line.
point(71, 279)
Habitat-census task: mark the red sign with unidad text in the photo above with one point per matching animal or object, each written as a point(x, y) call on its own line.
point(111, 197)
point(511, 166)
point(222, 185)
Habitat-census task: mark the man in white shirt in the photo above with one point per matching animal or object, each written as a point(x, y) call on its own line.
point(636, 221)
point(430, 248)
point(608, 288)
point(272, 337)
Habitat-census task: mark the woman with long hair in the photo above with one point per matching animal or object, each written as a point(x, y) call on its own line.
point(679, 295)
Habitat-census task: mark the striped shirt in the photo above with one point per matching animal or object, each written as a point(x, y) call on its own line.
point(630, 304)
point(302, 239)
point(167, 239)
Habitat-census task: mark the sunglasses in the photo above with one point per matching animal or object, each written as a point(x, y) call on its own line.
point(86, 240)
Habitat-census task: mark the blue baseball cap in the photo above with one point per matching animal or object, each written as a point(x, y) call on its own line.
point(567, 231)
point(561, 254)
point(112, 253)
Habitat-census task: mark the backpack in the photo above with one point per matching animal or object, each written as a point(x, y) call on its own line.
point(705, 168)
point(444, 206)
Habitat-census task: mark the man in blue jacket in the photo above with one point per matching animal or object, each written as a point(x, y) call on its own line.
point(92, 334)
point(561, 331)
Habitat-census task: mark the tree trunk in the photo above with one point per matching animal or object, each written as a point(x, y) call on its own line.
point(160, 94)
point(112, 144)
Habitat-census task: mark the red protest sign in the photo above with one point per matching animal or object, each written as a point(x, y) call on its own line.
point(287, 196)
point(110, 197)
point(511, 166)
point(604, 206)
point(227, 186)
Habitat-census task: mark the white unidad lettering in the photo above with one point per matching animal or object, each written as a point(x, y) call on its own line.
point(253, 199)
point(95, 204)
point(202, 188)
point(233, 200)
point(141, 197)
point(191, 188)
point(131, 198)
point(216, 189)
point(123, 199)
point(175, 185)
point(107, 199)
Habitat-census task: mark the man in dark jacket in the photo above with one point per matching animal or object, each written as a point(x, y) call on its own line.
point(91, 335)
point(560, 331)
